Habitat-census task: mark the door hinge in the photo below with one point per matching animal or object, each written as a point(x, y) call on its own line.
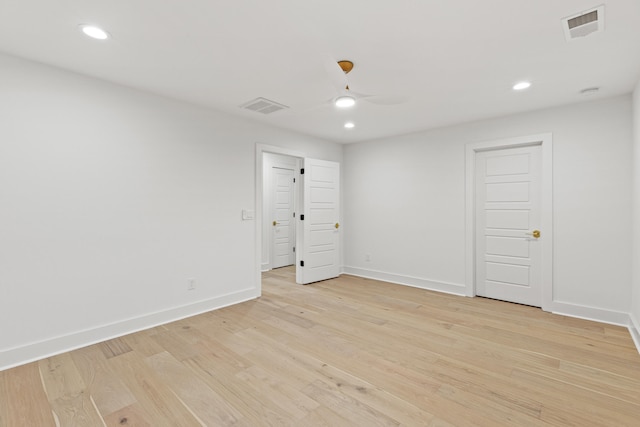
point(294, 249)
point(301, 263)
point(294, 214)
point(302, 217)
point(302, 171)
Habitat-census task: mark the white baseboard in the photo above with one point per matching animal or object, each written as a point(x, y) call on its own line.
point(634, 330)
point(265, 266)
point(416, 282)
point(35, 351)
point(590, 313)
point(566, 309)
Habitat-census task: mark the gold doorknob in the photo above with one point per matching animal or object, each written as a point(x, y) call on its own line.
point(337, 225)
point(534, 233)
point(275, 223)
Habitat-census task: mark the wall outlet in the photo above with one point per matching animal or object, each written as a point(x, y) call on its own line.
point(191, 284)
point(367, 258)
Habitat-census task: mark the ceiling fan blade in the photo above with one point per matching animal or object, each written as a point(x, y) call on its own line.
point(380, 99)
point(386, 99)
point(314, 106)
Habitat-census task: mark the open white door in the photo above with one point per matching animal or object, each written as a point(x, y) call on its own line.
point(318, 257)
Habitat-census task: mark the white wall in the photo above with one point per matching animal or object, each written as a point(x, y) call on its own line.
point(110, 199)
point(635, 301)
point(405, 203)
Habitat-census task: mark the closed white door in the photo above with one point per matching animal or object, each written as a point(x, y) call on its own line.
point(319, 241)
point(508, 218)
point(283, 223)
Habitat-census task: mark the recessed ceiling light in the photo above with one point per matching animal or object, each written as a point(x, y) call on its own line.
point(345, 101)
point(521, 86)
point(349, 125)
point(94, 32)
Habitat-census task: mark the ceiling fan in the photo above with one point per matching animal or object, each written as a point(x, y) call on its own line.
point(348, 98)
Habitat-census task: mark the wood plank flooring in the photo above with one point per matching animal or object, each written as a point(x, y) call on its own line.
point(344, 352)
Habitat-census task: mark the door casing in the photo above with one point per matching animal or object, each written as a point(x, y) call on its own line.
point(545, 141)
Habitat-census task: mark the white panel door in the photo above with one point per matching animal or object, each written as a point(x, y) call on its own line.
point(282, 224)
point(508, 200)
point(319, 254)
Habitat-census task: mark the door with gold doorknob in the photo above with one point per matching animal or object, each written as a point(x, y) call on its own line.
point(282, 223)
point(320, 239)
point(508, 217)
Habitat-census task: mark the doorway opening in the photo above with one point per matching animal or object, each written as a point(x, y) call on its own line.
point(280, 196)
point(311, 230)
point(265, 155)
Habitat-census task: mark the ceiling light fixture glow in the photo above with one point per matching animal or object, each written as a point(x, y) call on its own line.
point(349, 125)
point(345, 101)
point(94, 32)
point(521, 86)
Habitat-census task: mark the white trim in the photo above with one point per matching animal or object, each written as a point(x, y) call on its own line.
point(545, 141)
point(617, 318)
point(634, 330)
point(400, 279)
point(260, 149)
point(590, 313)
point(27, 353)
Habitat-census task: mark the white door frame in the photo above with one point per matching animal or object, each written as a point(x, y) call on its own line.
point(545, 141)
point(260, 150)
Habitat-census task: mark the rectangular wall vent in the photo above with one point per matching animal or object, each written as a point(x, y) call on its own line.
point(263, 106)
point(584, 23)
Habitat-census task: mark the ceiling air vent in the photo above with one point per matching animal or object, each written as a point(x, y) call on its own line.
point(263, 105)
point(584, 23)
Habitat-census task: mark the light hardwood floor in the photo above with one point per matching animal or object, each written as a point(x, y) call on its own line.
point(344, 352)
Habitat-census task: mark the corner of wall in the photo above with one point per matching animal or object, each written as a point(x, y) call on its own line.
point(634, 330)
point(634, 326)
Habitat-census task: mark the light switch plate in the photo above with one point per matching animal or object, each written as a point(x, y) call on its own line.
point(247, 214)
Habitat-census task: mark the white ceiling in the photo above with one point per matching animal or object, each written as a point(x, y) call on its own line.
point(452, 60)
